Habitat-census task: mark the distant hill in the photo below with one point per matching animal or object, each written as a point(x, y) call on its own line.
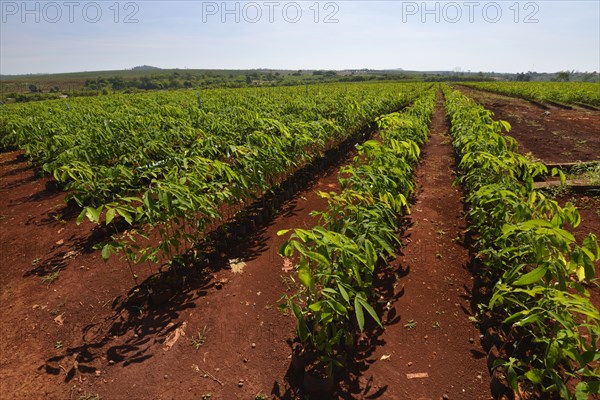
point(145, 68)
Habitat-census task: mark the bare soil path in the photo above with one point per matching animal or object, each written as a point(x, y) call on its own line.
point(434, 335)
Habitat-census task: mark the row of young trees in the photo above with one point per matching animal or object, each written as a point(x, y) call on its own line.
point(538, 312)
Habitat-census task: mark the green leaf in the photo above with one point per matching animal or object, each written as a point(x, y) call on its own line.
point(591, 356)
point(304, 274)
point(555, 171)
point(286, 249)
point(106, 251)
point(110, 214)
point(591, 243)
point(384, 244)
point(568, 236)
point(532, 276)
point(330, 291)
point(581, 391)
point(344, 293)
point(303, 332)
point(585, 388)
point(93, 214)
point(81, 216)
point(533, 317)
point(512, 378)
point(552, 354)
point(580, 272)
point(370, 310)
point(515, 317)
point(360, 318)
point(505, 125)
point(536, 223)
point(125, 215)
point(338, 307)
point(370, 253)
point(535, 376)
point(318, 258)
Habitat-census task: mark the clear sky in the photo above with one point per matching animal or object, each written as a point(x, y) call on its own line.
point(501, 36)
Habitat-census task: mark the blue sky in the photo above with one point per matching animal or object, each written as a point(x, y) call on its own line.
point(501, 36)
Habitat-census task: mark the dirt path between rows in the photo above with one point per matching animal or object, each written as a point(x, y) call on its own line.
point(434, 335)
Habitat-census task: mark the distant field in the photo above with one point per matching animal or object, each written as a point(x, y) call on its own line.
point(22, 88)
point(147, 79)
point(586, 93)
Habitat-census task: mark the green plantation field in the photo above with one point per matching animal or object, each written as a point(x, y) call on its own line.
point(543, 92)
point(180, 156)
point(179, 191)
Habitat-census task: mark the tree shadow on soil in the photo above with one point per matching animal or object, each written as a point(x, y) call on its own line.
point(16, 171)
point(143, 318)
point(12, 160)
point(19, 182)
point(58, 256)
point(133, 318)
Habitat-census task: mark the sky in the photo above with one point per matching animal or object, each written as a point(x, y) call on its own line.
point(499, 36)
